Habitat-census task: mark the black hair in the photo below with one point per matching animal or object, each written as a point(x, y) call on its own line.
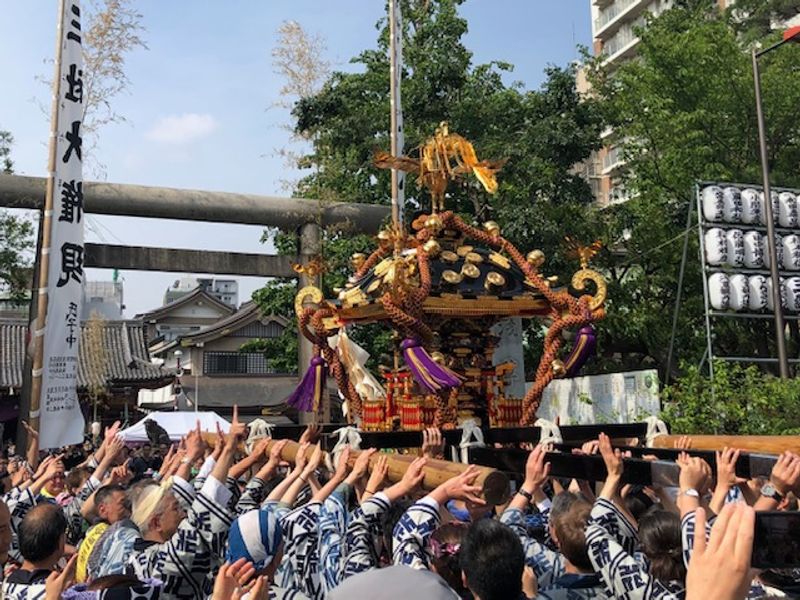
point(637, 502)
point(660, 535)
point(492, 560)
point(41, 531)
point(390, 519)
point(446, 544)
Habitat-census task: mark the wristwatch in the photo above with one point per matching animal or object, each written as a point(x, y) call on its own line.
point(186, 460)
point(525, 494)
point(691, 492)
point(768, 491)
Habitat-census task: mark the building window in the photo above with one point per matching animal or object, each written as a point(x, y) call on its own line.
point(235, 363)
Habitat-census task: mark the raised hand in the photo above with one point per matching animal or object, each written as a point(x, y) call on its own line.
point(612, 457)
point(786, 473)
point(301, 459)
point(683, 443)
point(276, 451)
point(726, 467)
point(720, 567)
point(57, 583)
point(195, 445)
point(378, 475)
point(361, 466)
point(238, 430)
point(32, 433)
point(432, 443)
point(695, 474)
point(460, 487)
point(315, 460)
point(231, 578)
point(536, 470)
point(311, 434)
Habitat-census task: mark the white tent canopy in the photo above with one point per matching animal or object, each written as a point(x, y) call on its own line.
point(176, 424)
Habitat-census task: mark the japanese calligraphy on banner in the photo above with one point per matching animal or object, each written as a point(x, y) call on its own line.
point(61, 419)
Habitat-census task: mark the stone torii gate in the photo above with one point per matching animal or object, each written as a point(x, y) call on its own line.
point(303, 216)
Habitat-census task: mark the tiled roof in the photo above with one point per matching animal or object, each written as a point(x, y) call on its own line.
point(249, 312)
point(196, 294)
point(125, 357)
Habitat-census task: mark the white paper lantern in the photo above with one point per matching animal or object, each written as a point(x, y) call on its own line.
point(713, 203)
point(751, 206)
point(732, 205)
point(770, 303)
point(758, 292)
point(787, 210)
point(778, 249)
point(716, 244)
point(734, 247)
point(719, 291)
point(763, 217)
point(753, 250)
point(739, 292)
point(790, 250)
point(792, 290)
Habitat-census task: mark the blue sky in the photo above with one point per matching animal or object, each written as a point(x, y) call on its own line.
point(196, 108)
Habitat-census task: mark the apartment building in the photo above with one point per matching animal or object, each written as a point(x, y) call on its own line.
point(224, 290)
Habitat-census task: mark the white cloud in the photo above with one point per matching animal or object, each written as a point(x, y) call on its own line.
point(182, 129)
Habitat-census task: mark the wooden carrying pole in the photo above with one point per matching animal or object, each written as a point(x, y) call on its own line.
point(495, 484)
point(766, 444)
point(38, 329)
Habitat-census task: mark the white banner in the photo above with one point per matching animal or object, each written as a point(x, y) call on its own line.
point(61, 419)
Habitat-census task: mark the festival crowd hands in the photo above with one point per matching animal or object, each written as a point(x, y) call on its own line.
point(325, 523)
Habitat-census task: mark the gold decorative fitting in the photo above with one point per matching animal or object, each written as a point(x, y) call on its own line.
point(471, 271)
point(383, 267)
point(443, 158)
point(449, 256)
point(434, 224)
point(583, 253)
point(384, 238)
point(452, 277)
point(374, 286)
point(535, 258)
point(312, 268)
point(494, 281)
point(357, 260)
point(579, 283)
point(499, 260)
point(474, 258)
point(438, 358)
point(492, 228)
point(462, 251)
point(559, 370)
point(432, 248)
point(310, 294)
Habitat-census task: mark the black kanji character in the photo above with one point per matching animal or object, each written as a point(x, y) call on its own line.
point(71, 263)
point(71, 201)
point(75, 141)
point(75, 81)
point(71, 35)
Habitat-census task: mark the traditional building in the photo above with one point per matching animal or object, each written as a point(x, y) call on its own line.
point(114, 364)
point(185, 315)
point(218, 374)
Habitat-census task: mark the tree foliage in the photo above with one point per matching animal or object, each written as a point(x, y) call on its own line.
point(741, 401)
point(685, 110)
point(16, 237)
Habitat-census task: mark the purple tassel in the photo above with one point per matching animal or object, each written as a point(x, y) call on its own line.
point(308, 394)
point(582, 350)
point(430, 375)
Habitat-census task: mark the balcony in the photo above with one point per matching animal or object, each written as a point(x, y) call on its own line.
point(601, 4)
point(618, 13)
point(613, 160)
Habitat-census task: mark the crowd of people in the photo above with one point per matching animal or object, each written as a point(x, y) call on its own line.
point(211, 521)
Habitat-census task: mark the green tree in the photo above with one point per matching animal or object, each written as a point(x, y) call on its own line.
point(685, 111)
point(16, 237)
point(543, 133)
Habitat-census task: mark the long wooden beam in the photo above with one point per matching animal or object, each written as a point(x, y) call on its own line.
point(768, 444)
point(18, 191)
point(139, 258)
